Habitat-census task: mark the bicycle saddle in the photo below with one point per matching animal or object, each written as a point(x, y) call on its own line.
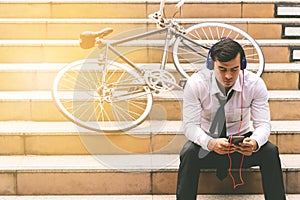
point(88, 38)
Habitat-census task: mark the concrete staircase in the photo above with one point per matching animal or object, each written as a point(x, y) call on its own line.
point(44, 156)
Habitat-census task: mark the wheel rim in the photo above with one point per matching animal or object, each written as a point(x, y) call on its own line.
point(77, 98)
point(208, 34)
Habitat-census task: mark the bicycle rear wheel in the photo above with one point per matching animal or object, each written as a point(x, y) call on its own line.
point(190, 54)
point(120, 102)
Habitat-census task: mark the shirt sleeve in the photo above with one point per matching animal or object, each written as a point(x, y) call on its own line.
point(192, 114)
point(260, 113)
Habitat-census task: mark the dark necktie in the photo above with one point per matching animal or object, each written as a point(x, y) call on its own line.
point(220, 120)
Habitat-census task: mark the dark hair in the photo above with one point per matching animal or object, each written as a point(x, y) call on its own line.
point(225, 50)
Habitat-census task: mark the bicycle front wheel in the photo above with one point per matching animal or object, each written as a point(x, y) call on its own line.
point(112, 100)
point(191, 51)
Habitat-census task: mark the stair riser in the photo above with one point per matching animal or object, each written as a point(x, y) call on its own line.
point(45, 110)
point(66, 54)
point(91, 182)
point(285, 110)
point(85, 144)
point(132, 10)
point(47, 30)
point(81, 144)
point(29, 80)
point(43, 80)
point(71, 30)
point(281, 81)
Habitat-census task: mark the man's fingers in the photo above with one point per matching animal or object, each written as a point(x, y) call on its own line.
point(245, 151)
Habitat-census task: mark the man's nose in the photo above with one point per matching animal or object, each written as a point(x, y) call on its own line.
point(228, 75)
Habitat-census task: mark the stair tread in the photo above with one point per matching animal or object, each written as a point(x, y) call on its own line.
point(143, 1)
point(54, 67)
point(169, 127)
point(146, 20)
point(75, 43)
point(174, 94)
point(128, 162)
point(25, 67)
point(143, 197)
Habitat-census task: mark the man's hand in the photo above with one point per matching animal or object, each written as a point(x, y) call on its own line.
point(220, 146)
point(246, 147)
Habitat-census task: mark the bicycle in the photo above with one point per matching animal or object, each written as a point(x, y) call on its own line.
point(112, 93)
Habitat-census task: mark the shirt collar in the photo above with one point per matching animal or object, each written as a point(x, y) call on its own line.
point(237, 85)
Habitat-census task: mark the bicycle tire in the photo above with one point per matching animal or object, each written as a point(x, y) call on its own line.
point(76, 93)
point(190, 57)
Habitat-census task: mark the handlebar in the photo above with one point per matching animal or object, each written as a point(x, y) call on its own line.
point(179, 4)
point(162, 5)
point(159, 16)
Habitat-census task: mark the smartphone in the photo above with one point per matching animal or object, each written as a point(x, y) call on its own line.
point(236, 139)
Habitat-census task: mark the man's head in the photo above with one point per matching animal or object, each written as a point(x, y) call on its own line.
point(229, 58)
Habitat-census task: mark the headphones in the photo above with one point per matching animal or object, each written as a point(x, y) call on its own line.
point(210, 61)
point(210, 66)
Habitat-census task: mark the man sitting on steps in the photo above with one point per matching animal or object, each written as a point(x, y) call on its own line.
point(217, 104)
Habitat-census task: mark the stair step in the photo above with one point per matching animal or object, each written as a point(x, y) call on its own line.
point(38, 51)
point(32, 76)
point(19, 28)
point(63, 28)
point(279, 76)
point(121, 174)
point(39, 106)
point(169, 127)
point(55, 67)
point(40, 76)
point(141, 8)
point(65, 138)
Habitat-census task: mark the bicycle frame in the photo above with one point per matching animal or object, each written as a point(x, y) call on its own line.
point(170, 33)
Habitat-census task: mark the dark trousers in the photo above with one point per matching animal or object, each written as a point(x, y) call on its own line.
point(267, 158)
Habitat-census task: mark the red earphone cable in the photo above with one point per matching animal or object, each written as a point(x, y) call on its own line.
point(239, 132)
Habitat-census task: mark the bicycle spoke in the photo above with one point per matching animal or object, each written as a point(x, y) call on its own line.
point(129, 113)
point(117, 103)
point(122, 114)
point(210, 31)
point(206, 34)
point(104, 114)
point(66, 79)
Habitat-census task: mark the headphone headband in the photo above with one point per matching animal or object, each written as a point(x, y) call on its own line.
point(210, 61)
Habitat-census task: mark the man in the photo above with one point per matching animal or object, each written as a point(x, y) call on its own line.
point(237, 93)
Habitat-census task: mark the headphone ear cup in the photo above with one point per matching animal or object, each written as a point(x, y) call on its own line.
point(209, 63)
point(244, 64)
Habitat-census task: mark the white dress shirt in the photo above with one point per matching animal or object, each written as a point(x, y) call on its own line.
point(200, 105)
